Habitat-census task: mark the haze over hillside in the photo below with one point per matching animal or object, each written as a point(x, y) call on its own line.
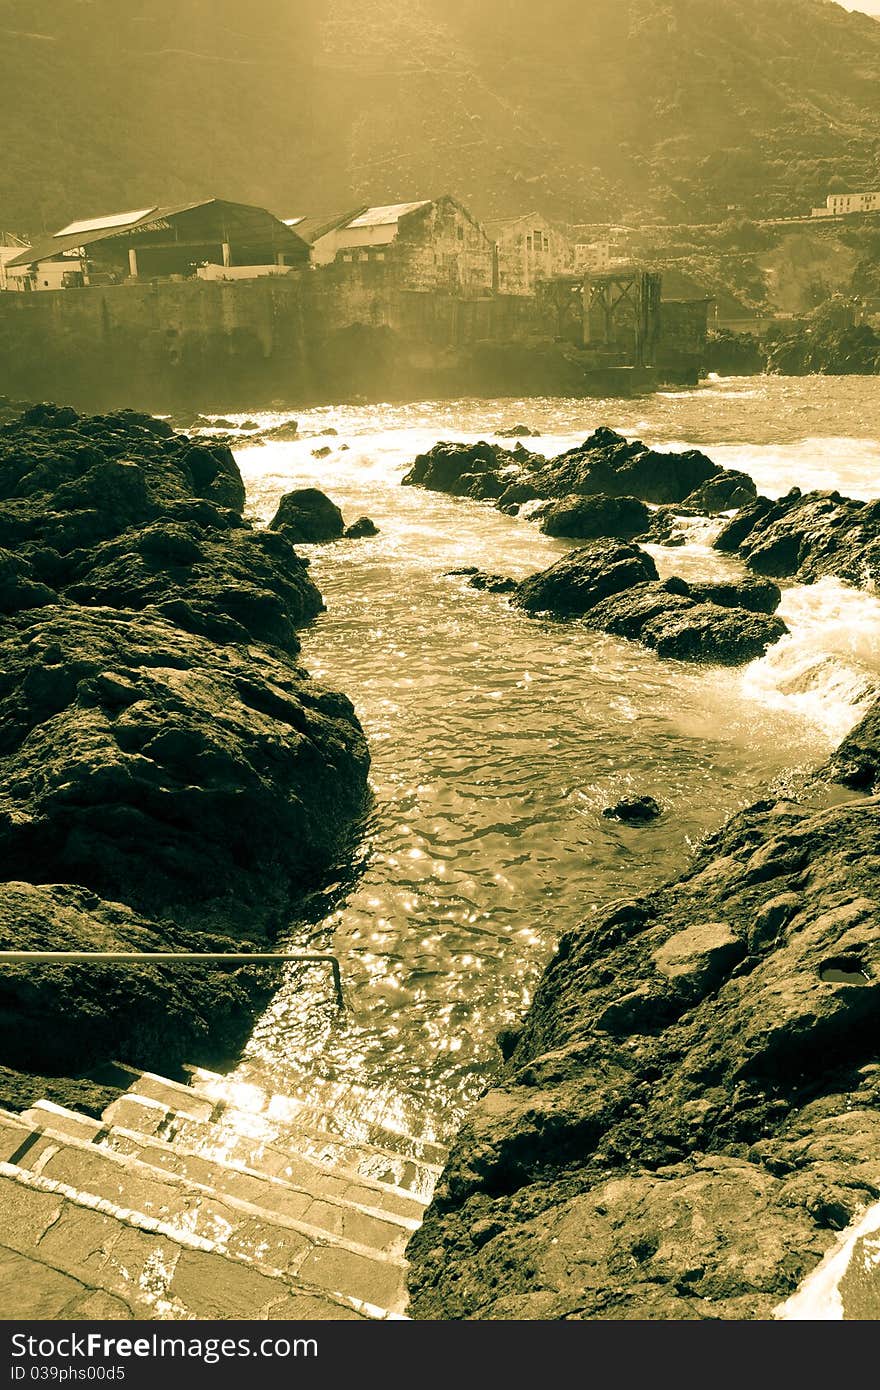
point(667, 109)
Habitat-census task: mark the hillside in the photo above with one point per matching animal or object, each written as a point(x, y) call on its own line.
point(617, 110)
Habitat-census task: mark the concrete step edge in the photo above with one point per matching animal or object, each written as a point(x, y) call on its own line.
point(316, 1234)
point(312, 1117)
point(44, 1120)
point(337, 1095)
point(343, 1170)
point(185, 1239)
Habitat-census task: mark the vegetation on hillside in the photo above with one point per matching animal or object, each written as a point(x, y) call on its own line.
point(671, 110)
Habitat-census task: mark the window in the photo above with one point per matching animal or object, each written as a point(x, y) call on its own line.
point(528, 243)
point(460, 230)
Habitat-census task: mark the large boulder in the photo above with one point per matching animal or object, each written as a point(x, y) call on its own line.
point(758, 595)
point(443, 466)
point(691, 1110)
point(722, 492)
point(587, 518)
point(610, 464)
point(814, 535)
point(581, 579)
point(202, 783)
point(308, 516)
point(666, 618)
point(237, 585)
point(69, 482)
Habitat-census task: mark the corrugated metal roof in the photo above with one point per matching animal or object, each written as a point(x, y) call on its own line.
point(100, 224)
point(386, 216)
point(69, 241)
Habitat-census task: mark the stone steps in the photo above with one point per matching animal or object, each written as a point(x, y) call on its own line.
point(396, 1123)
point(319, 1199)
point(371, 1269)
point(68, 1255)
point(179, 1114)
point(179, 1204)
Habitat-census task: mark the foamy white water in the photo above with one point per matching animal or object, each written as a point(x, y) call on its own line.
point(497, 739)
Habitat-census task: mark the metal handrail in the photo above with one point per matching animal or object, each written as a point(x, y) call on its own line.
point(178, 957)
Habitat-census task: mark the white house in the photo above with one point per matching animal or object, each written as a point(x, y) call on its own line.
point(840, 204)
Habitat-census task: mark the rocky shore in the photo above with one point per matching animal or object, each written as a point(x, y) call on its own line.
point(170, 777)
point(690, 1111)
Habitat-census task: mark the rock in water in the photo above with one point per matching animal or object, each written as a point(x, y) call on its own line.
point(588, 518)
point(361, 528)
point(692, 1108)
point(757, 595)
point(808, 536)
point(722, 492)
point(634, 809)
point(308, 516)
point(580, 580)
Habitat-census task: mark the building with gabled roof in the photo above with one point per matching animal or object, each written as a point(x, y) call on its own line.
point(158, 243)
point(529, 249)
point(429, 244)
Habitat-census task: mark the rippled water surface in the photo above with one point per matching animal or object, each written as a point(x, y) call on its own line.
point(497, 740)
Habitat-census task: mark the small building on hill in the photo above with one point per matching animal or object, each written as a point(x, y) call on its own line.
point(842, 204)
point(528, 250)
point(159, 243)
point(430, 245)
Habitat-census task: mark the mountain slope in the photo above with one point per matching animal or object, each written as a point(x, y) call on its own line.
point(673, 109)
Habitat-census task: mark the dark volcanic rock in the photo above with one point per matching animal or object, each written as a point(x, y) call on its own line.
point(168, 773)
point(664, 617)
point(587, 518)
point(618, 475)
point(722, 492)
point(809, 536)
point(634, 809)
point(480, 579)
point(66, 1018)
point(692, 1108)
point(235, 586)
point(442, 468)
point(856, 763)
point(580, 580)
point(158, 746)
point(615, 588)
point(308, 516)
point(76, 481)
point(518, 432)
point(758, 595)
point(361, 528)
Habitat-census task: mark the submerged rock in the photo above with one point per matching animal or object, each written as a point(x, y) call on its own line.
point(308, 516)
point(692, 1108)
point(518, 432)
point(634, 809)
point(480, 579)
